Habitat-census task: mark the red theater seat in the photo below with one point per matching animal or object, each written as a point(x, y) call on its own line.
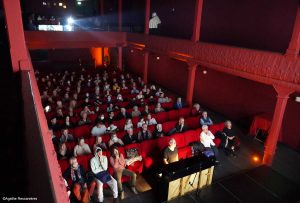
point(173, 115)
point(167, 126)
point(161, 117)
point(193, 122)
point(184, 112)
point(82, 131)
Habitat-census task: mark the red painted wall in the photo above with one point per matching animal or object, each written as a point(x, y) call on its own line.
point(236, 98)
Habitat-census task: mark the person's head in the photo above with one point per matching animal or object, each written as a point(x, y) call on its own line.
point(197, 106)
point(84, 116)
point(162, 95)
point(111, 114)
point(53, 120)
point(204, 114)
point(59, 104)
point(128, 121)
point(62, 146)
point(99, 124)
point(67, 118)
point(205, 128)
point(145, 127)
point(73, 162)
point(114, 137)
point(99, 151)
point(86, 108)
point(98, 140)
point(66, 96)
point(123, 110)
point(149, 117)
point(228, 124)
point(159, 127)
point(135, 108)
point(130, 131)
point(114, 152)
point(172, 143)
point(59, 112)
point(179, 100)
point(158, 105)
point(102, 116)
point(81, 141)
point(146, 108)
point(65, 131)
point(181, 121)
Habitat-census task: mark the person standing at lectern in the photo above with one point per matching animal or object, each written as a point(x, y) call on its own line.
point(171, 152)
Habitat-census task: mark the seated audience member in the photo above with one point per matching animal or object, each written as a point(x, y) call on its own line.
point(120, 98)
point(111, 108)
point(84, 120)
point(98, 129)
point(140, 95)
point(205, 120)
point(158, 93)
point(112, 128)
point(119, 163)
point(111, 117)
point(87, 111)
point(68, 123)
point(179, 104)
point(99, 143)
point(59, 114)
point(158, 131)
point(66, 137)
point(54, 125)
point(196, 110)
point(231, 140)
point(145, 111)
point(128, 124)
point(86, 102)
point(207, 139)
point(135, 112)
point(144, 133)
point(124, 87)
point(148, 94)
point(63, 152)
point(162, 99)
point(123, 114)
point(55, 140)
point(101, 118)
point(129, 137)
point(134, 90)
point(171, 152)
point(76, 176)
point(141, 123)
point(99, 165)
point(150, 120)
point(71, 112)
point(179, 128)
point(115, 141)
point(81, 148)
point(158, 108)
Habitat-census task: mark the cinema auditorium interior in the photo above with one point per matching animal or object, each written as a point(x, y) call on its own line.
point(150, 101)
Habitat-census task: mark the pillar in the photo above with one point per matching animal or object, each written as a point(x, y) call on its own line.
point(120, 58)
point(145, 72)
point(271, 142)
point(192, 67)
point(294, 45)
point(120, 15)
point(147, 16)
point(20, 58)
point(197, 21)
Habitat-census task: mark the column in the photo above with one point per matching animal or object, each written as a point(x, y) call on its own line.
point(192, 67)
point(120, 15)
point(271, 142)
point(120, 58)
point(20, 58)
point(147, 16)
point(294, 45)
point(197, 21)
point(145, 72)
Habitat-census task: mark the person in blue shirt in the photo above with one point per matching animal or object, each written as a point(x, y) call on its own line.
point(205, 120)
point(179, 104)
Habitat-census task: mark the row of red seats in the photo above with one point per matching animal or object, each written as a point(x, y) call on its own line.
point(152, 150)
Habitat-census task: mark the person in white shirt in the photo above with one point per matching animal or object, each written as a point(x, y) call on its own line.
point(98, 129)
point(207, 139)
point(150, 120)
point(115, 141)
point(128, 124)
point(154, 21)
point(81, 148)
point(141, 123)
point(99, 166)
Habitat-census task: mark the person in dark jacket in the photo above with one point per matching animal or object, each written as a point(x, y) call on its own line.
point(76, 178)
point(129, 137)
